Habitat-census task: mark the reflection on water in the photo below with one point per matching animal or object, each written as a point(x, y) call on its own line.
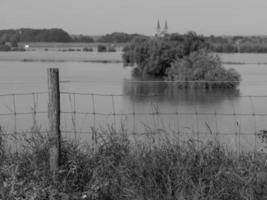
point(169, 92)
point(197, 112)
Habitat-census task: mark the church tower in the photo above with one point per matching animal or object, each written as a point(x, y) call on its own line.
point(158, 30)
point(165, 30)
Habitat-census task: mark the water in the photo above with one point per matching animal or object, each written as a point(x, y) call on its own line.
point(196, 113)
point(58, 56)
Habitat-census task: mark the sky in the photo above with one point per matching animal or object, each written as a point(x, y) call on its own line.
point(98, 17)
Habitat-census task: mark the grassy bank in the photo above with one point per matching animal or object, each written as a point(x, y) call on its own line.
point(118, 168)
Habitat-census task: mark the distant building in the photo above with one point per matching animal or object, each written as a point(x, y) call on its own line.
point(158, 30)
point(161, 32)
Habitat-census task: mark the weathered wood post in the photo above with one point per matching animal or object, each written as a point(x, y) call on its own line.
point(54, 118)
point(2, 188)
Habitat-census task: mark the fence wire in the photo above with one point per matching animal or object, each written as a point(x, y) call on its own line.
point(242, 126)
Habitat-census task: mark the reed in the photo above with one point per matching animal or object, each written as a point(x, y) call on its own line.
point(121, 168)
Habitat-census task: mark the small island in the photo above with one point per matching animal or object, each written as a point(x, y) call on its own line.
point(185, 60)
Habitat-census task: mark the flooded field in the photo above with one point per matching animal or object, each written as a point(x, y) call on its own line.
point(137, 105)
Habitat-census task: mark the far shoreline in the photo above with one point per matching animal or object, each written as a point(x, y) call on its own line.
point(57, 56)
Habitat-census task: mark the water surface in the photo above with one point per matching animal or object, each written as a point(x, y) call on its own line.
point(137, 105)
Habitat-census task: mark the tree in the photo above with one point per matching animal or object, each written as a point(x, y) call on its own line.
point(14, 39)
point(154, 56)
point(5, 48)
point(82, 38)
point(34, 35)
point(178, 57)
point(117, 38)
point(101, 48)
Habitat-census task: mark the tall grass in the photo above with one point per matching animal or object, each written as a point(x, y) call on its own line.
point(120, 168)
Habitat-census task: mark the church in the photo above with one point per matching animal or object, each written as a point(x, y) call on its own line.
point(161, 32)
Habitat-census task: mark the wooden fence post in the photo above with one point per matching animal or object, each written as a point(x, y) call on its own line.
point(2, 188)
point(54, 118)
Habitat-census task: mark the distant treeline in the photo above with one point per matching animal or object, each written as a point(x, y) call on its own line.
point(41, 35)
point(219, 44)
point(59, 35)
point(117, 38)
point(240, 44)
point(34, 35)
point(226, 44)
point(82, 39)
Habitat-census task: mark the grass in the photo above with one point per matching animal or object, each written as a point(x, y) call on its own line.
point(120, 168)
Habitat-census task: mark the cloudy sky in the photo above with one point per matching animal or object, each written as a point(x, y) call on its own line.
point(94, 17)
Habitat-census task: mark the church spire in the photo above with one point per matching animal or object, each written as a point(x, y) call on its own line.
point(161, 32)
point(165, 30)
point(158, 29)
point(158, 25)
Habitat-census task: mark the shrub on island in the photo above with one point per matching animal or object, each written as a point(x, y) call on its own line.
point(202, 70)
point(154, 55)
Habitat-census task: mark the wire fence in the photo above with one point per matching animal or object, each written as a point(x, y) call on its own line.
point(239, 121)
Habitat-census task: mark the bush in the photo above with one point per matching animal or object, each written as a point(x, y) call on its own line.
point(117, 38)
point(260, 48)
point(82, 38)
point(154, 56)
point(112, 49)
point(224, 48)
point(101, 48)
point(5, 48)
point(18, 49)
point(179, 58)
point(88, 49)
point(202, 70)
